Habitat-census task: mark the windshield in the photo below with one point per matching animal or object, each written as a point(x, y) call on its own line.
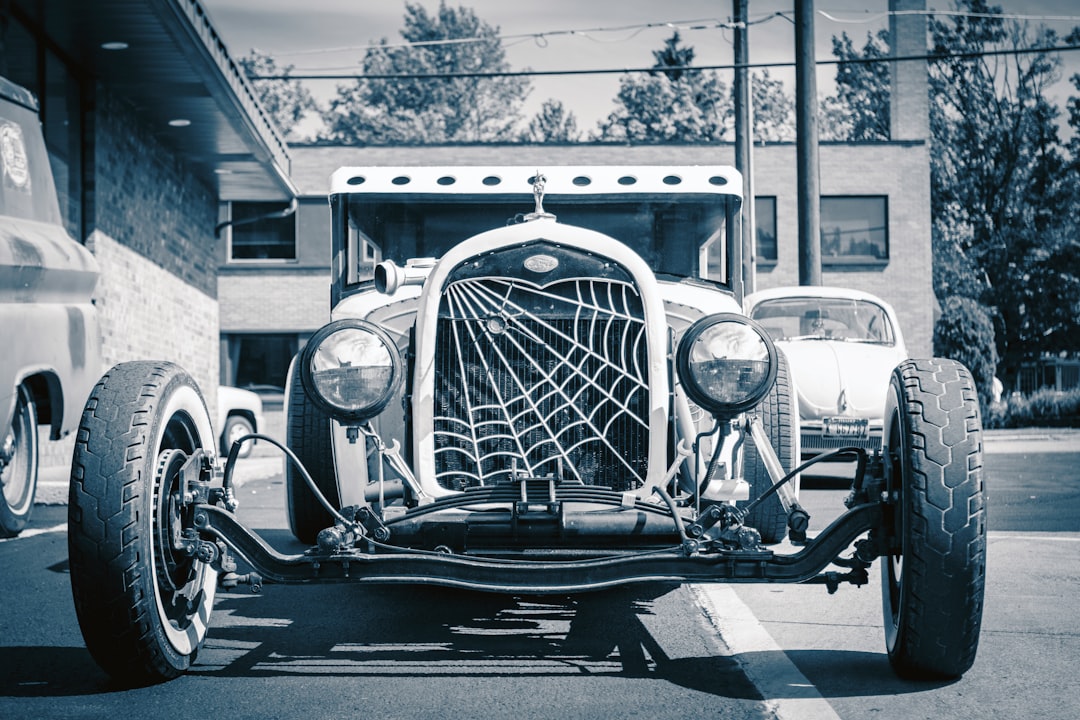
point(811, 318)
point(678, 235)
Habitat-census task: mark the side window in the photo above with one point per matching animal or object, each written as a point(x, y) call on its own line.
point(26, 183)
point(253, 237)
point(765, 222)
point(854, 230)
point(364, 255)
point(62, 126)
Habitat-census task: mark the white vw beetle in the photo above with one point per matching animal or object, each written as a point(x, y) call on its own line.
point(842, 345)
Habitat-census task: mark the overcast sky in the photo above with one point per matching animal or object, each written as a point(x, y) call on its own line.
point(330, 35)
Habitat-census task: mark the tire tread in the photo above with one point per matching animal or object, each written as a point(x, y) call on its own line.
point(946, 552)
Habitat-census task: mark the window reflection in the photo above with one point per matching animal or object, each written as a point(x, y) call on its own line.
point(854, 229)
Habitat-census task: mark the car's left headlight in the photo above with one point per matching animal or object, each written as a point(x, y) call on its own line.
point(351, 369)
point(726, 363)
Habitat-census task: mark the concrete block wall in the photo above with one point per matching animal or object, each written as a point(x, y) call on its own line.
point(274, 300)
point(147, 313)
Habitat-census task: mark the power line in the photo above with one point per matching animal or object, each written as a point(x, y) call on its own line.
point(653, 70)
point(542, 37)
point(951, 13)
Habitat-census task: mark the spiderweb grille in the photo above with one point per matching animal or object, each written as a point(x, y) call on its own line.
point(545, 378)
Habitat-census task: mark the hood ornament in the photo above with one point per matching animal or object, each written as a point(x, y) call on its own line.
point(538, 182)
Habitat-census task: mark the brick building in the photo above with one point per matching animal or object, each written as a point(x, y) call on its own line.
point(150, 130)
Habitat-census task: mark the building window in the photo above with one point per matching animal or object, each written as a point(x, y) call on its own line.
point(258, 360)
point(765, 222)
point(854, 230)
point(255, 237)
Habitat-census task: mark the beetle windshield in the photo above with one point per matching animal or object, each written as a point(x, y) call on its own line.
point(677, 235)
point(813, 318)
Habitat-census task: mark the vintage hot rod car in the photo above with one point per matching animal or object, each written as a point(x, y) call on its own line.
point(534, 381)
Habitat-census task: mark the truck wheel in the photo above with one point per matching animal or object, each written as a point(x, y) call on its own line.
point(307, 432)
point(779, 418)
point(142, 606)
point(236, 427)
point(19, 466)
point(934, 577)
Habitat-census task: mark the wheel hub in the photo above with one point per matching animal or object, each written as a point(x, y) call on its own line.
point(173, 569)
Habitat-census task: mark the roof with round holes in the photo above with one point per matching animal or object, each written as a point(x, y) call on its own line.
point(558, 180)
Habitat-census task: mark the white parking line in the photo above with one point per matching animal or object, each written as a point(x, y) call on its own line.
point(62, 527)
point(1033, 537)
point(787, 692)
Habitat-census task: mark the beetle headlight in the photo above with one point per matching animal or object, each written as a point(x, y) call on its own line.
point(351, 369)
point(726, 363)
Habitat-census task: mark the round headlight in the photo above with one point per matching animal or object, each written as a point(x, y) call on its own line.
point(726, 363)
point(351, 369)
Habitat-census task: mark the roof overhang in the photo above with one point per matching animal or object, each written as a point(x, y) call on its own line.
point(176, 72)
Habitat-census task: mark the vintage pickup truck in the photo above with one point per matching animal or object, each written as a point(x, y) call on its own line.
point(50, 347)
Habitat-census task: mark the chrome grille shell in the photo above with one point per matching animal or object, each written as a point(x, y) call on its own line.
point(562, 371)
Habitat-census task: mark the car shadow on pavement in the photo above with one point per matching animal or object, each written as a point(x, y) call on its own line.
point(413, 631)
point(419, 631)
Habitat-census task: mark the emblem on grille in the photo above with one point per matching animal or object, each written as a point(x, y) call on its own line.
point(541, 263)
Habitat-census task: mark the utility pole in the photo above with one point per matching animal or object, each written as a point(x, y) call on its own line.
point(808, 172)
point(744, 144)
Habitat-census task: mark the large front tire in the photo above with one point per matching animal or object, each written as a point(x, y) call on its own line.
point(779, 419)
point(933, 579)
point(142, 606)
point(18, 466)
point(307, 431)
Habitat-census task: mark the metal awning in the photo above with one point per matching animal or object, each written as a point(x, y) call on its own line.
point(172, 66)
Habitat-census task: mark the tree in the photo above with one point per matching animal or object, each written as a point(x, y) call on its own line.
point(965, 333)
point(998, 170)
point(671, 104)
point(287, 102)
point(553, 124)
point(859, 111)
point(774, 110)
point(954, 273)
point(451, 109)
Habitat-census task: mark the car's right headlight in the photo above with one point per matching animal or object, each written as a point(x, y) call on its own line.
point(726, 363)
point(351, 369)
